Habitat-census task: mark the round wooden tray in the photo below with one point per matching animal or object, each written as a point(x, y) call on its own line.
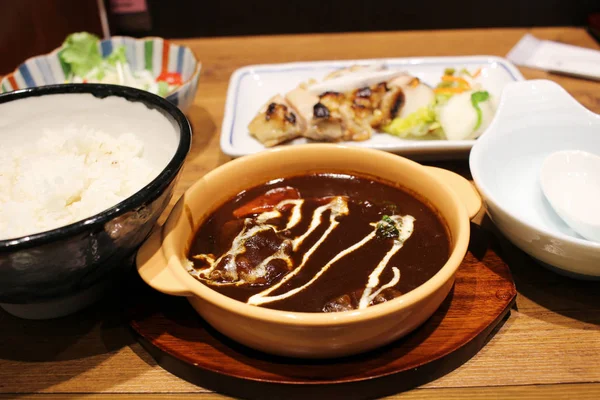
point(182, 343)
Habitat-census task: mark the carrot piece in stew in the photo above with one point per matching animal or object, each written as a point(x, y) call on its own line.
point(267, 201)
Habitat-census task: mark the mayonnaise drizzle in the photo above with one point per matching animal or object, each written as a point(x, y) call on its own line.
point(237, 247)
point(405, 226)
point(295, 216)
point(262, 297)
point(338, 206)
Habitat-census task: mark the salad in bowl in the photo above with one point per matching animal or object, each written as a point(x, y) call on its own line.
point(151, 64)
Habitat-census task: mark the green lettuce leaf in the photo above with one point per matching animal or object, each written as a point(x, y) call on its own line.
point(476, 98)
point(117, 55)
point(419, 123)
point(163, 88)
point(80, 51)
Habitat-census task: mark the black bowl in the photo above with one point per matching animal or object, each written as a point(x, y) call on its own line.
point(61, 270)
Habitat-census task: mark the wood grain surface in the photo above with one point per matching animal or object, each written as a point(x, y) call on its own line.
point(548, 348)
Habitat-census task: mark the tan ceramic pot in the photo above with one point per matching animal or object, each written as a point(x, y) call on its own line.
point(313, 335)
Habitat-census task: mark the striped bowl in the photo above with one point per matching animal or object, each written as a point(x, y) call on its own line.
point(152, 53)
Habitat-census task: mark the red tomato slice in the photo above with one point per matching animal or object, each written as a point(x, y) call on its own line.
point(172, 78)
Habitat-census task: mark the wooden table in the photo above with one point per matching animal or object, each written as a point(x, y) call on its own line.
point(548, 348)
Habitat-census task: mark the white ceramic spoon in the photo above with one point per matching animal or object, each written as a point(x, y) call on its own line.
point(571, 182)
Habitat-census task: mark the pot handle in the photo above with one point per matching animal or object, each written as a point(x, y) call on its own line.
point(462, 187)
point(154, 269)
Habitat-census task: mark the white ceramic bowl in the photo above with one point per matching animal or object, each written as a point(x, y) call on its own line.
point(534, 119)
point(571, 183)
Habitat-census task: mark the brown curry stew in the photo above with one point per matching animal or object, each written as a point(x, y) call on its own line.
point(319, 243)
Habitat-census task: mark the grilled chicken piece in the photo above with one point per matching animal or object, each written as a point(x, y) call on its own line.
point(357, 128)
point(302, 101)
point(335, 116)
point(391, 105)
point(327, 123)
point(276, 123)
point(348, 82)
point(326, 129)
point(363, 109)
point(321, 124)
point(416, 94)
point(373, 104)
point(334, 110)
point(402, 80)
point(369, 96)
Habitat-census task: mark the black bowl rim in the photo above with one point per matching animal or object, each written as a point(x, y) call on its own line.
point(156, 186)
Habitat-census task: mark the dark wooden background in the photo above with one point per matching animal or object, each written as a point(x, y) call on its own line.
point(31, 27)
point(187, 18)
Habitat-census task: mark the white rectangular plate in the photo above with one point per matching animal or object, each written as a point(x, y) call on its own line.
point(252, 86)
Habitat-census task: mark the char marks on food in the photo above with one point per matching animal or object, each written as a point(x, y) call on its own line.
point(320, 111)
point(276, 123)
point(395, 104)
point(332, 116)
point(353, 104)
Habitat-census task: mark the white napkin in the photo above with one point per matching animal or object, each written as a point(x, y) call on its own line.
point(556, 57)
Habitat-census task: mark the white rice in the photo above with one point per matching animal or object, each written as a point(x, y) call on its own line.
point(67, 176)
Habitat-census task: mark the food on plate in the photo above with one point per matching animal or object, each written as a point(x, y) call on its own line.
point(319, 243)
point(81, 53)
point(460, 110)
point(354, 103)
point(334, 116)
point(275, 122)
point(348, 105)
point(65, 176)
point(465, 115)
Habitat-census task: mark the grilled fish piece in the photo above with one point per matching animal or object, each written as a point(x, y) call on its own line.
point(276, 123)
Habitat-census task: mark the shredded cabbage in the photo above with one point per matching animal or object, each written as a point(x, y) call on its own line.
point(418, 123)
